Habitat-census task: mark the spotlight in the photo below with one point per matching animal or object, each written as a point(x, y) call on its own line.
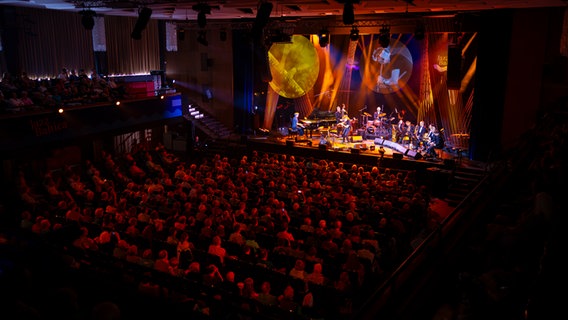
point(384, 36)
point(354, 34)
point(201, 38)
point(88, 20)
point(348, 12)
point(117, 103)
point(323, 37)
point(60, 110)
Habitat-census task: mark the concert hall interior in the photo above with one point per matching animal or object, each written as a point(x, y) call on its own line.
point(275, 160)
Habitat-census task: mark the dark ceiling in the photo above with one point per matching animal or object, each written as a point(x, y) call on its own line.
point(297, 9)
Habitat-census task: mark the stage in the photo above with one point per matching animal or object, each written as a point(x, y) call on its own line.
point(366, 150)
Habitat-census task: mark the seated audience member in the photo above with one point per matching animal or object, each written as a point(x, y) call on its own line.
point(212, 276)
point(298, 270)
point(265, 296)
point(316, 276)
point(216, 249)
point(286, 300)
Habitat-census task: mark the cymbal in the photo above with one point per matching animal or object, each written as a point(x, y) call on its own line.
point(382, 114)
point(460, 135)
point(366, 114)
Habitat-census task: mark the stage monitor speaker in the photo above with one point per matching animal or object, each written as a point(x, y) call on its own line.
point(413, 154)
point(356, 138)
point(289, 143)
point(397, 156)
point(454, 67)
point(355, 151)
point(395, 146)
point(379, 141)
point(372, 147)
point(322, 147)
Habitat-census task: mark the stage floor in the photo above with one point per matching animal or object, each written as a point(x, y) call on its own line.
point(366, 147)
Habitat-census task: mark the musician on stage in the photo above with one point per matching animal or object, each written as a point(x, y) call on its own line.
point(400, 130)
point(345, 126)
point(339, 114)
point(434, 142)
point(296, 125)
point(409, 132)
point(379, 113)
point(420, 132)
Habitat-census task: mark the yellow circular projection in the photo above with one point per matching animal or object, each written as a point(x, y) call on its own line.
point(294, 67)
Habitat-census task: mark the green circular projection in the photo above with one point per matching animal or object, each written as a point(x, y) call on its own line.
point(294, 67)
point(388, 68)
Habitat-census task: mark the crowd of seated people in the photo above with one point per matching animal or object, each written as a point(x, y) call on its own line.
point(19, 93)
point(313, 231)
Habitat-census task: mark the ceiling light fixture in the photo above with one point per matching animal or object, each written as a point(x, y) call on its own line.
point(354, 34)
point(323, 37)
point(384, 36)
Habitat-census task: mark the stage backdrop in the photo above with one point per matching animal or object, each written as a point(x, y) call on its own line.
point(428, 79)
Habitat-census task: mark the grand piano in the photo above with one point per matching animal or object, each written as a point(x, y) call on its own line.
point(317, 119)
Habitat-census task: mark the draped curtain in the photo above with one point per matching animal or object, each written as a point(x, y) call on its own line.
point(127, 56)
point(50, 40)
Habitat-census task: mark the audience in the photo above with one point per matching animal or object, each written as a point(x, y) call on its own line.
point(253, 202)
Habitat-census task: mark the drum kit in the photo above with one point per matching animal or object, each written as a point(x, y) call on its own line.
point(379, 127)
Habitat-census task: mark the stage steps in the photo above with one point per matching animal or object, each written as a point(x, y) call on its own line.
point(208, 124)
point(462, 183)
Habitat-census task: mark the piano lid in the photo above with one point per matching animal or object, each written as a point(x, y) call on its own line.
point(321, 114)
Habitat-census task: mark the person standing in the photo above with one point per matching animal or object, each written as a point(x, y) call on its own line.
point(420, 132)
point(433, 141)
point(339, 114)
point(346, 127)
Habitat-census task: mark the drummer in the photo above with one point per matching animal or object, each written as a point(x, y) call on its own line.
point(379, 114)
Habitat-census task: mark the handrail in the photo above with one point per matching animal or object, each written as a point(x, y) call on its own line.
point(378, 298)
